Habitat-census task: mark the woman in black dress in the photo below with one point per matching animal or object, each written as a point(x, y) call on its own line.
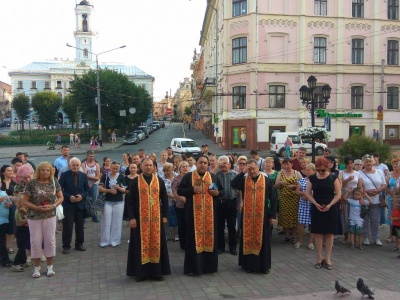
point(323, 190)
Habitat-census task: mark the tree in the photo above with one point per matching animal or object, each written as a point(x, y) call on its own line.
point(20, 104)
point(117, 93)
point(46, 105)
point(188, 111)
point(359, 145)
point(70, 108)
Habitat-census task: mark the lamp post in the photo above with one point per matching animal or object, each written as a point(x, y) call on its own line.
point(98, 86)
point(308, 100)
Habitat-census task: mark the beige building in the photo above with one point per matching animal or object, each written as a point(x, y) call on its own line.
point(257, 54)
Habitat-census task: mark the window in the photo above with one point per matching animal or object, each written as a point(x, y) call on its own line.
point(357, 96)
point(357, 52)
point(239, 50)
point(320, 7)
point(85, 52)
point(319, 101)
point(47, 85)
point(393, 53)
point(393, 9)
point(239, 7)
point(33, 85)
point(393, 98)
point(239, 97)
point(59, 85)
point(20, 85)
point(277, 96)
point(320, 50)
point(358, 9)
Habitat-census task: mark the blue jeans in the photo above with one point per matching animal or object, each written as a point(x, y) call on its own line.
point(92, 193)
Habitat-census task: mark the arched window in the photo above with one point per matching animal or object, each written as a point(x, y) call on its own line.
point(85, 52)
point(84, 25)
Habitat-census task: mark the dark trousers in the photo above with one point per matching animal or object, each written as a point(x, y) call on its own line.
point(22, 236)
point(180, 215)
point(227, 211)
point(72, 215)
point(4, 258)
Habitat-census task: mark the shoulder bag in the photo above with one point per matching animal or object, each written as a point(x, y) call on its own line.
point(59, 208)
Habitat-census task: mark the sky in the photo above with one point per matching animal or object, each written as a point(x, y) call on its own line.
point(160, 35)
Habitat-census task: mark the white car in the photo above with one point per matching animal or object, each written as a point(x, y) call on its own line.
point(140, 134)
point(185, 146)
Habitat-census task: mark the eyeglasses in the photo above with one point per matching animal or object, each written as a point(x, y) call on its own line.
point(321, 170)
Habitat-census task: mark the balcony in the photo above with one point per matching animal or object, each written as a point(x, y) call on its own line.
point(209, 88)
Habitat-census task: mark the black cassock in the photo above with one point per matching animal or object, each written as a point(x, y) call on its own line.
point(262, 262)
point(134, 265)
point(204, 262)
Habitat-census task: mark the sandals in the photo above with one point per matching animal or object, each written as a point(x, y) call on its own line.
point(50, 272)
point(36, 273)
point(352, 247)
point(285, 240)
point(395, 249)
point(311, 246)
point(8, 264)
point(318, 265)
point(293, 241)
point(360, 247)
point(328, 267)
point(10, 250)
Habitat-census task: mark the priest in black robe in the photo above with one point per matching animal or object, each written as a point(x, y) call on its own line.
point(147, 204)
point(258, 208)
point(201, 189)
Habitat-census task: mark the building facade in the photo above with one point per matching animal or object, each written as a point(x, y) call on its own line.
point(5, 103)
point(257, 55)
point(56, 74)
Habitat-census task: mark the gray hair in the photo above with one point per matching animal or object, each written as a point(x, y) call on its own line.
point(223, 158)
point(75, 159)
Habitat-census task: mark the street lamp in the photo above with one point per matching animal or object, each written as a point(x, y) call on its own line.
point(98, 86)
point(308, 100)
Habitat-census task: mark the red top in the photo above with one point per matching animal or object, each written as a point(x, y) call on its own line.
point(396, 215)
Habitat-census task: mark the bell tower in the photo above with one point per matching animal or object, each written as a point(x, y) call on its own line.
point(84, 32)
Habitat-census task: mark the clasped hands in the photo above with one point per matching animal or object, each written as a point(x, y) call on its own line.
point(76, 198)
point(197, 190)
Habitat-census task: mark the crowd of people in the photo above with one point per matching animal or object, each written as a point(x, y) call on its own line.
point(190, 201)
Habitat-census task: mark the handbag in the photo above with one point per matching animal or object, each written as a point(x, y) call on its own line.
point(90, 209)
point(59, 209)
point(101, 200)
point(382, 202)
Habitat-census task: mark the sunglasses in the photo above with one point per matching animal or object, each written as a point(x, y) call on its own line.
point(321, 170)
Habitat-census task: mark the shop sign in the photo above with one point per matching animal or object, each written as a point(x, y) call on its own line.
point(323, 114)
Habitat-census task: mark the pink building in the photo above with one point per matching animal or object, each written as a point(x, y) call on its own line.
point(262, 52)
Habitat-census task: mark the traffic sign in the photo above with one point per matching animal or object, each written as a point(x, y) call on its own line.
point(380, 108)
point(380, 116)
point(169, 111)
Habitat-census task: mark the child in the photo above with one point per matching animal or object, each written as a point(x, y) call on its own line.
point(355, 222)
point(22, 235)
point(395, 218)
point(5, 204)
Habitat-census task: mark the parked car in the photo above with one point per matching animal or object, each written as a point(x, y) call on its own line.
point(278, 139)
point(154, 127)
point(157, 124)
point(185, 146)
point(131, 138)
point(145, 129)
point(140, 134)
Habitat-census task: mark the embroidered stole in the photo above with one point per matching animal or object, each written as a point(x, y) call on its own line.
point(203, 211)
point(253, 215)
point(150, 219)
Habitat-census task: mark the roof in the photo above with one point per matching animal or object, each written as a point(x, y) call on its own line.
point(5, 86)
point(69, 67)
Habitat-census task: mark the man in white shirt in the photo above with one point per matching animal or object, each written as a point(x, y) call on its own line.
point(191, 161)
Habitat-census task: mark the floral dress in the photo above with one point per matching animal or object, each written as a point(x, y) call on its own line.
point(288, 203)
point(389, 198)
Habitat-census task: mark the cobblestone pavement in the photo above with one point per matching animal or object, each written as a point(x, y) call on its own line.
point(99, 273)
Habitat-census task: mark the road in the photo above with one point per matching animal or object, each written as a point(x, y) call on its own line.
point(99, 273)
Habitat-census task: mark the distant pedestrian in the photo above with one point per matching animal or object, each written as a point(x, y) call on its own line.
point(58, 141)
point(374, 134)
point(71, 139)
point(288, 146)
point(113, 137)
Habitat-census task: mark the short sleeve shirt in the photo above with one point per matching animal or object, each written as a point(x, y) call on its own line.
point(42, 194)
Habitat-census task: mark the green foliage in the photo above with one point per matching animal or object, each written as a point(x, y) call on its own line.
point(359, 145)
point(69, 107)
point(188, 111)
point(46, 105)
point(20, 104)
point(117, 93)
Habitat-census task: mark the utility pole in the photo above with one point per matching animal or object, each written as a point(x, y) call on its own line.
point(381, 100)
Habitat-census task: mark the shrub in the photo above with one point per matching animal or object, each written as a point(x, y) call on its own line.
point(359, 145)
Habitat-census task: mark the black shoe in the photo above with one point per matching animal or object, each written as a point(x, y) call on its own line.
point(95, 219)
point(80, 248)
point(266, 272)
point(234, 252)
point(248, 271)
point(138, 279)
point(66, 250)
point(220, 251)
point(159, 278)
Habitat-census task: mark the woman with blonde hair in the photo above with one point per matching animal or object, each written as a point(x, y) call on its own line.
point(41, 196)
